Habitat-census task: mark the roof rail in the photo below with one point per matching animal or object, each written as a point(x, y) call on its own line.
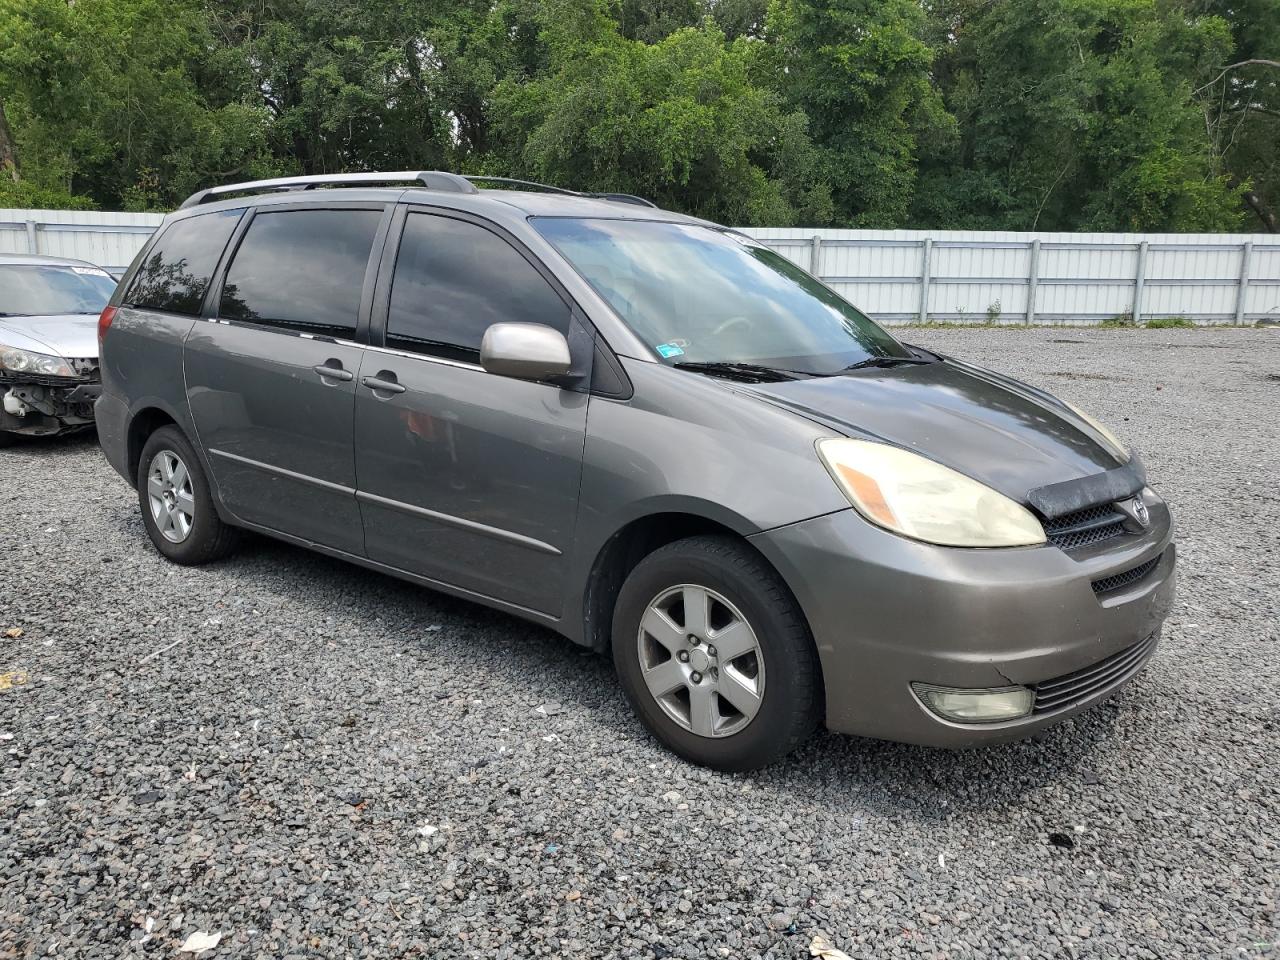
point(431, 179)
point(522, 183)
point(619, 197)
point(623, 198)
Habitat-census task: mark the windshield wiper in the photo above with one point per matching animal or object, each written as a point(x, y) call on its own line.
point(748, 372)
point(886, 362)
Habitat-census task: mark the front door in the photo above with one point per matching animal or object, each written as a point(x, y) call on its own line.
point(271, 380)
point(465, 477)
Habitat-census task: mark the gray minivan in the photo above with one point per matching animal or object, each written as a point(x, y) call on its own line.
point(646, 431)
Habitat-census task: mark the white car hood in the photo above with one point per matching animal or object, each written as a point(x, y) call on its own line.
point(73, 335)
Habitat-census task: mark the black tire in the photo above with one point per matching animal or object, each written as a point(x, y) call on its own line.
point(791, 702)
point(7, 439)
point(209, 538)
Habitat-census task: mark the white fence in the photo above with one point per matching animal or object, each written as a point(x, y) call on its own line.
point(108, 239)
point(901, 276)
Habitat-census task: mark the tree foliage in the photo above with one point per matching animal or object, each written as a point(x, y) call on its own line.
point(1241, 104)
point(860, 71)
point(1002, 114)
point(679, 121)
point(1077, 115)
point(111, 100)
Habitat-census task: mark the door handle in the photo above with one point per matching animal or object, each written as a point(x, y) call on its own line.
point(332, 372)
point(384, 382)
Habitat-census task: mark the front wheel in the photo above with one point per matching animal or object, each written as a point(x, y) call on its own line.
point(177, 508)
point(714, 654)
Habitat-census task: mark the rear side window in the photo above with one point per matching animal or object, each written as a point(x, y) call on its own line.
point(177, 269)
point(453, 279)
point(301, 270)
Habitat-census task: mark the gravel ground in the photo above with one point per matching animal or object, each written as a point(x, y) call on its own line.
point(316, 761)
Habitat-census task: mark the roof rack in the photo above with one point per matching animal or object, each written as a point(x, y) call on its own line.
point(618, 197)
point(623, 198)
point(431, 179)
point(521, 183)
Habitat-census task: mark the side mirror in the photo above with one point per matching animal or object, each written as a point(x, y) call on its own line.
point(525, 351)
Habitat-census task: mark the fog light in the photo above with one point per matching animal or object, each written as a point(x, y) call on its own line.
point(975, 706)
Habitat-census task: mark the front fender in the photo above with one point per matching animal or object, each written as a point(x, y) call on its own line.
point(690, 445)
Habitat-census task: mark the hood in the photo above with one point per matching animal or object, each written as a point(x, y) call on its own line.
point(72, 335)
point(1003, 433)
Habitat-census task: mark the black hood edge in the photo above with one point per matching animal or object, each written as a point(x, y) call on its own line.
point(1058, 499)
point(1050, 501)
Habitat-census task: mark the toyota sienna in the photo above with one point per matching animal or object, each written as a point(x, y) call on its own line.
point(648, 432)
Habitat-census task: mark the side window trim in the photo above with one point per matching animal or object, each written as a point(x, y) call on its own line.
point(381, 306)
point(213, 296)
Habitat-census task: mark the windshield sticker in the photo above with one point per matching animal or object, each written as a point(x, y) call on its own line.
point(91, 272)
point(669, 350)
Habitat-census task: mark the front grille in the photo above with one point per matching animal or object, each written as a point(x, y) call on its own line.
point(1084, 527)
point(1132, 575)
point(1071, 688)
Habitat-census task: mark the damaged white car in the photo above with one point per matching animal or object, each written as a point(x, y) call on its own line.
point(49, 311)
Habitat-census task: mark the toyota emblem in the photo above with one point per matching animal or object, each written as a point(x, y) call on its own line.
point(1136, 510)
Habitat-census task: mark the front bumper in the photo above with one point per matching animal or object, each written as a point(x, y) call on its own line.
point(886, 611)
point(46, 405)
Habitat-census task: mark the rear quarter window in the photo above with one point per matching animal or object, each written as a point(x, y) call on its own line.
point(177, 269)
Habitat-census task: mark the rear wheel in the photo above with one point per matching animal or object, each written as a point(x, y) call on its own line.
point(715, 655)
point(177, 508)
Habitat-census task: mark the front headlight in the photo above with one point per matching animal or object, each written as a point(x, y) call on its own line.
point(24, 361)
point(918, 498)
point(1113, 443)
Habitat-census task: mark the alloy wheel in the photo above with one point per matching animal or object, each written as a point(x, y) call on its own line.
point(701, 661)
point(169, 493)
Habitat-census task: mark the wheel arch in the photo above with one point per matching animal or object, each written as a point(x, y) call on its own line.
point(631, 543)
point(142, 424)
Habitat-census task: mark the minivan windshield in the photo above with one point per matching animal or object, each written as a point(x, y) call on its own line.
point(45, 290)
point(701, 296)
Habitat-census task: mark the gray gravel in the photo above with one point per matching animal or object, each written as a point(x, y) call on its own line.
point(317, 761)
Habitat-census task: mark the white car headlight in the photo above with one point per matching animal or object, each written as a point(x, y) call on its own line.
point(24, 361)
point(1113, 443)
point(921, 499)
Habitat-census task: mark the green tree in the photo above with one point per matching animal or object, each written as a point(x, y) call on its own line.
point(1075, 115)
point(679, 121)
point(1056, 114)
point(104, 102)
point(859, 69)
point(653, 20)
point(347, 85)
point(1241, 104)
point(739, 18)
